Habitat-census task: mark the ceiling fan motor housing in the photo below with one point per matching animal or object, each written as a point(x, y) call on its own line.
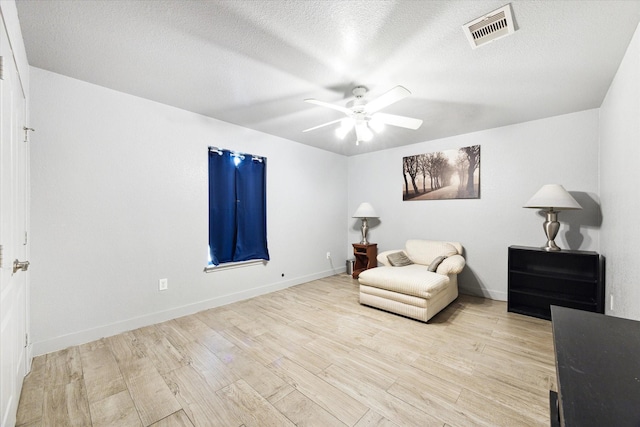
point(359, 91)
point(357, 105)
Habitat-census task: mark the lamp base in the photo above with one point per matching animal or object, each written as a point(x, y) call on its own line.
point(551, 227)
point(551, 247)
point(364, 229)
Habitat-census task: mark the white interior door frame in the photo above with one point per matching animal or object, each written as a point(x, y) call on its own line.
point(14, 226)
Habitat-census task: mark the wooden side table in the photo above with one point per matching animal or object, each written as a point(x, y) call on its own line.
point(365, 257)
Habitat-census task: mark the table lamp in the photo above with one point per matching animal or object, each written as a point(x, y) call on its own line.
point(364, 211)
point(553, 198)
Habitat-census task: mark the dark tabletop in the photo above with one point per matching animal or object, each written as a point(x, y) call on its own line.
point(598, 368)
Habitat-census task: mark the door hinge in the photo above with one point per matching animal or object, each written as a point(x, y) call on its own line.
point(26, 340)
point(1, 67)
point(26, 238)
point(26, 132)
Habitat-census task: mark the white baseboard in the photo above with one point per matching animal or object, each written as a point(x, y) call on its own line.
point(88, 335)
point(484, 293)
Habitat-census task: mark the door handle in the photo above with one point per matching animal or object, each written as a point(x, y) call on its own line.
point(20, 265)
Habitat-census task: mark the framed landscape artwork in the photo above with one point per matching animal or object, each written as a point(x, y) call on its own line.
point(449, 174)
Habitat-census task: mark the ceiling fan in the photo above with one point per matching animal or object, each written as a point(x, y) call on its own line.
point(364, 115)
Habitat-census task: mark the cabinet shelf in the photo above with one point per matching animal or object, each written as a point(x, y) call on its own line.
point(538, 279)
point(548, 275)
point(569, 298)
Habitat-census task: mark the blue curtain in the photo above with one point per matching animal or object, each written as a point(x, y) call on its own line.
point(237, 207)
point(251, 215)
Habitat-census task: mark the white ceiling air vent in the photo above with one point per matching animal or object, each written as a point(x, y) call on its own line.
point(490, 27)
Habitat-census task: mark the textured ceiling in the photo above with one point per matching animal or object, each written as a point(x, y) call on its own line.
point(253, 62)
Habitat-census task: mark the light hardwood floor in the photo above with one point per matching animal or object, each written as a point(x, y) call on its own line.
point(309, 355)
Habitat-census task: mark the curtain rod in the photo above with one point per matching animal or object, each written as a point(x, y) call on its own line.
point(237, 153)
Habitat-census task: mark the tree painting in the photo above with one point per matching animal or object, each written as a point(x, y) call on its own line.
point(449, 174)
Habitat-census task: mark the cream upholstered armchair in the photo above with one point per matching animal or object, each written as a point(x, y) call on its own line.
point(416, 282)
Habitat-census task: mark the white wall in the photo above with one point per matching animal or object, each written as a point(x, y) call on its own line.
point(515, 162)
point(619, 178)
point(119, 188)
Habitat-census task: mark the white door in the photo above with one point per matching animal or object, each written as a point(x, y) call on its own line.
point(14, 223)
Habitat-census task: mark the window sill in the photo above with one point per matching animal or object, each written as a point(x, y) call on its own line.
point(230, 265)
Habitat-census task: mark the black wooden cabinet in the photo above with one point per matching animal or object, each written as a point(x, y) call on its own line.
point(539, 279)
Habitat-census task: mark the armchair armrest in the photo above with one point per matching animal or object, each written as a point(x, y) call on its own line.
point(382, 257)
point(451, 265)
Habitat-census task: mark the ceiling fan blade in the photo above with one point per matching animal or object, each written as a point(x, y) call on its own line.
point(387, 98)
point(401, 121)
point(322, 125)
point(328, 105)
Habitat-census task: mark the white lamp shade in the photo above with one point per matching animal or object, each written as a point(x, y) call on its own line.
point(552, 196)
point(365, 210)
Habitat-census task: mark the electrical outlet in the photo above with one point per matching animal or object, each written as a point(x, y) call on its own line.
point(163, 284)
point(611, 302)
point(328, 255)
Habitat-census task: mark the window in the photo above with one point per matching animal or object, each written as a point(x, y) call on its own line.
point(237, 207)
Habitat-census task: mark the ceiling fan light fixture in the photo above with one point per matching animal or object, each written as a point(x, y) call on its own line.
point(345, 127)
point(363, 132)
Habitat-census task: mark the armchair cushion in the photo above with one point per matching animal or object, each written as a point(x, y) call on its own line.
point(408, 280)
point(436, 262)
point(399, 259)
point(383, 257)
point(425, 251)
point(452, 265)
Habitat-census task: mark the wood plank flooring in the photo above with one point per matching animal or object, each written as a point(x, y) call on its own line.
point(309, 355)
